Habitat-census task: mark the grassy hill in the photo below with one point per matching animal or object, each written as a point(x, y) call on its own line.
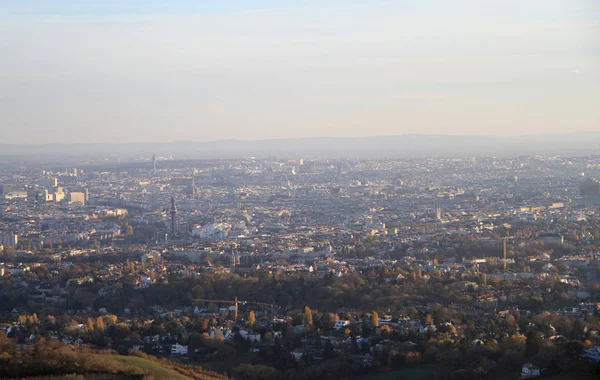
point(152, 368)
point(56, 361)
point(95, 376)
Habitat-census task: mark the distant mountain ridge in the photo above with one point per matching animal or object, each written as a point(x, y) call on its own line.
point(408, 145)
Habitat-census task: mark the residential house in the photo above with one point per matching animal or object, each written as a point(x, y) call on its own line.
point(341, 324)
point(591, 354)
point(530, 370)
point(178, 349)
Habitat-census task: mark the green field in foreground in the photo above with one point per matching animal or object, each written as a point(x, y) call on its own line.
point(153, 368)
point(150, 369)
point(94, 376)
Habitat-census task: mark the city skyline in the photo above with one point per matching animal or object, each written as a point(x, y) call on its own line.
point(301, 189)
point(151, 71)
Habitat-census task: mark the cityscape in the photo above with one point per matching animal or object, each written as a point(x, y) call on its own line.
point(293, 267)
point(300, 190)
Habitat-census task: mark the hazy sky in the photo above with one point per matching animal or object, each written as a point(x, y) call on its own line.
point(149, 70)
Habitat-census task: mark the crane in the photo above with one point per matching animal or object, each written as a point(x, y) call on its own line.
point(235, 301)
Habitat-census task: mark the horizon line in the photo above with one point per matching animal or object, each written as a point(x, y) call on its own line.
point(305, 138)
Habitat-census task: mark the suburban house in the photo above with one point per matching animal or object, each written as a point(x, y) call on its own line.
point(592, 354)
point(341, 324)
point(178, 349)
point(530, 370)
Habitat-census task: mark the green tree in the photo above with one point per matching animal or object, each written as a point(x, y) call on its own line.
point(212, 308)
point(534, 343)
point(255, 372)
point(328, 350)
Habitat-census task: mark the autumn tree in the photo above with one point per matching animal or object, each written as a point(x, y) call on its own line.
point(100, 324)
point(251, 319)
point(510, 321)
point(219, 335)
point(308, 320)
point(332, 318)
point(89, 325)
point(429, 319)
point(112, 319)
point(375, 319)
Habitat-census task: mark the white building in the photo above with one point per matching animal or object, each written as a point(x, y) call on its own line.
point(211, 231)
point(178, 349)
point(530, 370)
point(592, 354)
point(341, 324)
point(254, 337)
point(76, 197)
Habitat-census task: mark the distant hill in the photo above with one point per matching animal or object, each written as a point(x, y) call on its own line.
point(410, 145)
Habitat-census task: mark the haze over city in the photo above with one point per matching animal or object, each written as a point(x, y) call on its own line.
point(149, 71)
point(293, 190)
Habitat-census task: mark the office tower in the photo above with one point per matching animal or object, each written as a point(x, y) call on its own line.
point(193, 189)
point(76, 197)
point(307, 167)
point(339, 167)
point(173, 213)
point(154, 164)
point(48, 183)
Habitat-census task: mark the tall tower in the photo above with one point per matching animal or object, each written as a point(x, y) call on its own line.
point(173, 213)
point(504, 254)
point(154, 163)
point(194, 188)
point(438, 211)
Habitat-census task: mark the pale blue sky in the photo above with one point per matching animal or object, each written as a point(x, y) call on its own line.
point(192, 70)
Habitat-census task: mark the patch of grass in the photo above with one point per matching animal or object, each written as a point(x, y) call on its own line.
point(154, 369)
point(98, 376)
